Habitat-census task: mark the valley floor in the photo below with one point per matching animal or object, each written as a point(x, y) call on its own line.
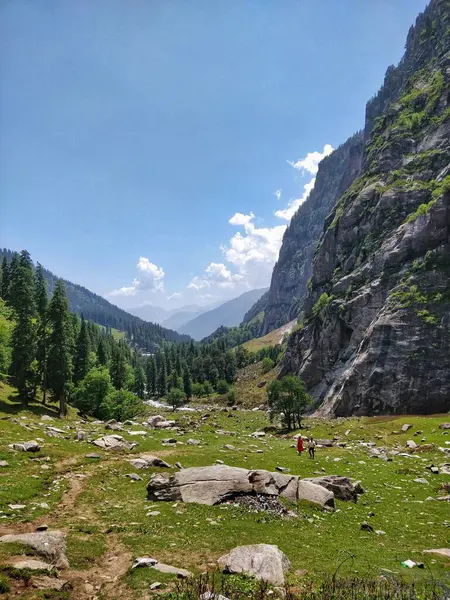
point(106, 515)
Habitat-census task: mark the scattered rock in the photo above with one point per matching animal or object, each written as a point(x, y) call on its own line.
point(324, 443)
point(92, 455)
point(229, 447)
point(163, 568)
point(114, 426)
point(17, 506)
point(441, 551)
point(42, 527)
point(365, 526)
point(178, 465)
point(114, 442)
point(47, 418)
point(380, 532)
point(282, 469)
point(193, 442)
point(155, 585)
point(169, 441)
point(149, 460)
point(143, 561)
point(49, 544)
point(444, 426)
point(421, 480)
point(133, 476)
point(212, 596)
point(42, 582)
point(411, 444)
point(4, 463)
point(263, 561)
point(32, 565)
point(258, 434)
point(31, 446)
point(80, 435)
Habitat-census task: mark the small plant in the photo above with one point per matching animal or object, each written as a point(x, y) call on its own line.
point(4, 585)
point(267, 364)
point(321, 304)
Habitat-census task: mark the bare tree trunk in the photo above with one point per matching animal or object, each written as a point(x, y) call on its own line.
point(62, 406)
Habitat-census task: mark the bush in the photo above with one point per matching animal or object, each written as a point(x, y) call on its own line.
point(231, 396)
point(93, 391)
point(321, 304)
point(4, 585)
point(267, 364)
point(222, 386)
point(121, 405)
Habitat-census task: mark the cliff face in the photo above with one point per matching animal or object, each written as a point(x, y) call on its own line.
point(288, 287)
point(376, 330)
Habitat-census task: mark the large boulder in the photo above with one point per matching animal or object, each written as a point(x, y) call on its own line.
point(51, 545)
point(32, 446)
point(114, 442)
point(263, 561)
point(215, 484)
point(342, 487)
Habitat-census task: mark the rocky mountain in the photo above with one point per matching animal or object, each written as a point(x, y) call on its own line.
point(95, 308)
point(228, 314)
point(290, 276)
point(171, 318)
point(375, 336)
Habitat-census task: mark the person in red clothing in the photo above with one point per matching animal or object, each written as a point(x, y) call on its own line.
point(300, 446)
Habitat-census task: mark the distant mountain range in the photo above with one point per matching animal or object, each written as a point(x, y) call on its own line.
point(229, 314)
point(147, 335)
point(171, 318)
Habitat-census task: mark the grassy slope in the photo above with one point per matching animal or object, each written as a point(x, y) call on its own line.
point(247, 391)
point(270, 339)
point(111, 510)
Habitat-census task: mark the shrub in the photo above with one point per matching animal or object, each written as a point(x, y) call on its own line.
point(222, 386)
point(321, 304)
point(267, 364)
point(176, 398)
point(288, 399)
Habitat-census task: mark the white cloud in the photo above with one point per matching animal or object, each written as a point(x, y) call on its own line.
point(240, 219)
point(288, 212)
point(216, 274)
point(310, 162)
point(252, 253)
point(151, 279)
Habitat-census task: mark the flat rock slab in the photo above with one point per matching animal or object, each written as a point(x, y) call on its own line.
point(113, 442)
point(163, 568)
point(32, 565)
point(218, 483)
point(263, 561)
point(42, 582)
point(441, 551)
point(31, 446)
point(51, 545)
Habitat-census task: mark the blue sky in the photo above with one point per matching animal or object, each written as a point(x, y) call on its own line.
point(133, 131)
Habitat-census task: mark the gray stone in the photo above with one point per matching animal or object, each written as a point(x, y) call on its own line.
point(81, 435)
point(193, 442)
point(32, 565)
point(143, 561)
point(444, 426)
point(263, 561)
point(93, 455)
point(342, 487)
point(47, 418)
point(43, 582)
point(155, 585)
point(133, 476)
point(163, 568)
point(406, 427)
point(113, 442)
point(440, 551)
point(421, 480)
point(4, 463)
point(411, 444)
point(31, 446)
point(51, 545)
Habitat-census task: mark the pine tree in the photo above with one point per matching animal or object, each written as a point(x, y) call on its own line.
point(139, 382)
point(162, 376)
point(187, 383)
point(81, 361)
point(151, 375)
point(102, 352)
point(6, 277)
point(118, 369)
point(41, 300)
point(59, 364)
point(21, 293)
point(3, 269)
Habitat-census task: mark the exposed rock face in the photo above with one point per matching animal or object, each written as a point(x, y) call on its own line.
point(263, 561)
point(341, 487)
point(376, 335)
point(51, 545)
point(212, 485)
point(289, 285)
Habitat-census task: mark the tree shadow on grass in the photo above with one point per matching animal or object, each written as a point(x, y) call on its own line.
point(15, 404)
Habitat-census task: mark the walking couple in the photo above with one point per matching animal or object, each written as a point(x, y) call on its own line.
point(311, 446)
